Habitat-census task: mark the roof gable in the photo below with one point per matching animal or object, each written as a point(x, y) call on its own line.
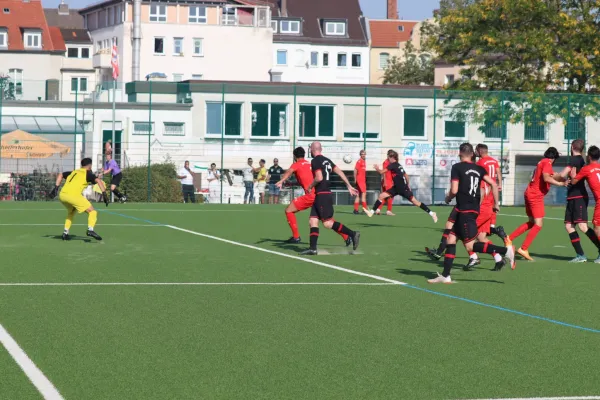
point(387, 33)
point(23, 16)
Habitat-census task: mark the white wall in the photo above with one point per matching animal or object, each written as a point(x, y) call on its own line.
point(37, 69)
point(299, 56)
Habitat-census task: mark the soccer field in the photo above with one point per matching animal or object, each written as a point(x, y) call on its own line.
point(190, 301)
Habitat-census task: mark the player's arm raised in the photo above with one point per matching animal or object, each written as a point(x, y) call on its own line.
point(286, 175)
point(338, 171)
point(495, 191)
point(378, 169)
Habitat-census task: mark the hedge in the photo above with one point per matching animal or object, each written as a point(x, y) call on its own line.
point(165, 187)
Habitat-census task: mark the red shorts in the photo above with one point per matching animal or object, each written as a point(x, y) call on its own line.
point(484, 219)
point(362, 187)
point(596, 218)
point(304, 202)
point(534, 206)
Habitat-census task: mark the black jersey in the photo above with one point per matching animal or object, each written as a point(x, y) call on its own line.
point(397, 174)
point(576, 191)
point(469, 177)
point(326, 166)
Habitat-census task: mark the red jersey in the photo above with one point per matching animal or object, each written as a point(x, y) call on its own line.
point(591, 173)
point(303, 173)
point(538, 187)
point(361, 171)
point(388, 179)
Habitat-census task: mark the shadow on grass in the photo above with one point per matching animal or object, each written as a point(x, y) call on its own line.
point(429, 274)
point(549, 256)
point(73, 237)
point(282, 244)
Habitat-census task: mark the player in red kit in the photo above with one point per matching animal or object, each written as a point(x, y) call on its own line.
point(360, 179)
point(543, 177)
point(303, 172)
point(591, 174)
point(387, 183)
point(493, 169)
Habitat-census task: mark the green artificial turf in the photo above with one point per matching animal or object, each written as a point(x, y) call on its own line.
point(290, 341)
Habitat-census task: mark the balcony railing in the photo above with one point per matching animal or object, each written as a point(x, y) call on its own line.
point(258, 17)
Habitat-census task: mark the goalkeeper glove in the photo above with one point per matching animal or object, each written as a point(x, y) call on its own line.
point(54, 192)
point(105, 197)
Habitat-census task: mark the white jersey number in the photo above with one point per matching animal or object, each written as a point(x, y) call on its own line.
point(474, 186)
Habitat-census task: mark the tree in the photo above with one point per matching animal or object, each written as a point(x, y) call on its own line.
point(413, 68)
point(7, 89)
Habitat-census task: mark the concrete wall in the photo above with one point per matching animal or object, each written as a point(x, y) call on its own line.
point(37, 69)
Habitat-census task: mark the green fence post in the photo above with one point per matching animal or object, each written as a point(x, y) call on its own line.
point(295, 116)
point(502, 134)
point(222, 134)
point(567, 127)
point(149, 183)
point(434, 141)
point(75, 129)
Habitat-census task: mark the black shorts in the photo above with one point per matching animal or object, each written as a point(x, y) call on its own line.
point(403, 191)
point(322, 208)
point(576, 211)
point(453, 215)
point(116, 179)
point(465, 226)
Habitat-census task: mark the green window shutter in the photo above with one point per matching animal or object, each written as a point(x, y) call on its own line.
point(233, 119)
point(73, 84)
point(575, 128)
point(277, 123)
point(308, 121)
point(414, 122)
point(535, 126)
point(261, 126)
point(454, 129)
point(326, 121)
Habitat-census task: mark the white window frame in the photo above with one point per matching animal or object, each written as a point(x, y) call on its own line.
point(448, 119)
point(425, 133)
point(224, 115)
point(177, 40)
point(4, 36)
point(227, 18)
point(299, 58)
point(317, 115)
point(16, 75)
point(277, 57)
point(447, 79)
point(73, 48)
point(316, 54)
point(201, 53)
point(337, 60)
point(274, 26)
point(352, 59)
point(197, 77)
point(387, 60)
point(362, 134)
point(195, 17)
point(181, 76)
point(326, 53)
point(172, 125)
point(139, 132)
point(34, 36)
point(400, 28)
point(286, 126)
point(331, 28)
point(157, 16)
point(290, 28)
point(154, 46)
point(81, 53)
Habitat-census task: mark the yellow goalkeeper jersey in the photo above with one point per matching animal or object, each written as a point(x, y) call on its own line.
point(76, 181)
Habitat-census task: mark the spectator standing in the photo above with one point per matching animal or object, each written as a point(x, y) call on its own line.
point(261, 180)
point(248, 172)
point(213, 183)
point(187, 183)
point(275, 173)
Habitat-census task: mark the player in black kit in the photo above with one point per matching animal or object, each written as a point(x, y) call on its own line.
point(322, 208)
point(466, 187)
point(401, 187)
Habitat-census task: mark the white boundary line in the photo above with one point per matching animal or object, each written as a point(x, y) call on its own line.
point(35, 375)
point(556, 219)
point(304, 259)
point(99, 224)
point(547, 398)
point(197, 284)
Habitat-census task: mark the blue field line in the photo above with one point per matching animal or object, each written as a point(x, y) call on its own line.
point(450, 296)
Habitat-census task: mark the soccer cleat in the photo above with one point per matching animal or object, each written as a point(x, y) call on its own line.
point(309, 252)
point(502, 235)
point(440, 279)
point(94, 235)
point(579, 259)
point(433, 254)
point(510, 257)
point(499, 265)
point(355, 239)
point(348, 241)
point(435, 218)
point(524, 254)
point(123, 199)
point(368, 212)
point(378, 212)
point(65, 236)
point(388, 212)
point(355, 212)
point(470, 266)
point(293, 240)
point(597, 260)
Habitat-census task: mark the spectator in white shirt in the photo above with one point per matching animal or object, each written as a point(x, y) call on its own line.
point(187, 183)
point(213, 183)
point(249, 182)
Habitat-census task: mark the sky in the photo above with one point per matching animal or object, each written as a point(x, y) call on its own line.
point(407, 9)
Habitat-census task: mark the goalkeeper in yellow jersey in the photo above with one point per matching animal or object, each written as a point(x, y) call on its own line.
point(72, 198)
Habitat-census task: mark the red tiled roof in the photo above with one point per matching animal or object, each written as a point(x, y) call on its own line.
point(23, 16)
point(387, 33)
point(57, 39)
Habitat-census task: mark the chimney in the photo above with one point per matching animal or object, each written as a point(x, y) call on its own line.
point(392, 9)
point(284, 11)
point(63, 9)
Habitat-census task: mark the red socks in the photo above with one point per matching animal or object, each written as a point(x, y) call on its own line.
point(364, 204)
point(531, 236)
point(521, 230)
point(389, 203)
point(291, 217)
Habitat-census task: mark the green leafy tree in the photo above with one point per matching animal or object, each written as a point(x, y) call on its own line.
point(7, 89)
point(413, 68)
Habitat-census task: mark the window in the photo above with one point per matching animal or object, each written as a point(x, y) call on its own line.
point(356, 60)
point(575, 128)
point(197, 15)
point(335, 28)
point(269, 119)
point(493, 126)
point(159, 46)
point(229, 16)
point(158, 13)
point(281, 57)
point(73, 52)
point(384, 59)
point(197, 76)
point(143, 128)
point(342, 60)
point(198, 47)
point(300, 60)
point(354, 122)
point(118, 14)
point(289, 27)
point(274, 25)
point(78, 85)
point(316, 121)
point(85, 52)
point(177, 77)
point(6, 10)
point(174, 129)
point(535, 126)
point(177, 46)
point(16, 76)
point(414, 122)
point(111, 16)
point(33, 40)
point(233, 119)
point(3, 39)
point(326, 59)
point(314, 59)
point(400, 28)
point(449, 79)
point(455, 129)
